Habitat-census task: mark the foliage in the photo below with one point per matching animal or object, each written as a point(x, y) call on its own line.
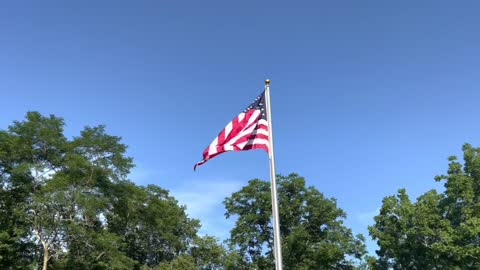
point(311, 227)
point(208, 254)
point(66, 203)
point(184, 262)
point(152, 225)
point(439, 230)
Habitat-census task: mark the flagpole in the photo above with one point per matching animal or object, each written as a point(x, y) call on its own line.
point(276, 222)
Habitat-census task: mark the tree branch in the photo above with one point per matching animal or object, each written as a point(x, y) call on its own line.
point(100, 255)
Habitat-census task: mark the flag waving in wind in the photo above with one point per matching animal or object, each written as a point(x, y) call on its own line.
point(252, 129)
point(248, 130)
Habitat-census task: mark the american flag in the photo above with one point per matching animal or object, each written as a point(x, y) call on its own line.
point(249, 130)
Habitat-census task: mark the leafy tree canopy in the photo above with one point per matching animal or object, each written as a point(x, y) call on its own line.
point(312, 231)
point(67, 204)
point(438, 230)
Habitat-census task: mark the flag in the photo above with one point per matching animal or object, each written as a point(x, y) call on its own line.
point(247, 131)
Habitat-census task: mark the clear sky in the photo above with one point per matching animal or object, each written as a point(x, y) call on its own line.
point(367, 96)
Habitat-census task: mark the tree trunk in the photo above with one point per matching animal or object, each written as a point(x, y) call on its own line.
point(45, 246)
point(45, 257)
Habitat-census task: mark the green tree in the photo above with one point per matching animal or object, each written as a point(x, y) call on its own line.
point(312, 229)
point(439, 230)
point(16, 251)
point(64, 184)
point(184, 262)
point(208, 254)
point(29, 152)
point(153, 226)
point(67, 204)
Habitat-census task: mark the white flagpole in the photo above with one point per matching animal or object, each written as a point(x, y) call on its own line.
point(276, 222)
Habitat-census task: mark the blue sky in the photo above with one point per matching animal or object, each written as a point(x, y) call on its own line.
point(367, 96)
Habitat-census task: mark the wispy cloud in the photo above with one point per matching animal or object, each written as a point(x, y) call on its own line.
point(366, 218)
point(203, 199)
point(362, 221)
point(140, 175)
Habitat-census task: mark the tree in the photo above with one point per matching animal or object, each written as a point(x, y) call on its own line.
point(312, 230)
point(67, 203)
point(439, 230)
point(29, 151)
point(208, 254)
point(153, 226)
point(59, 186)
point(184, 262)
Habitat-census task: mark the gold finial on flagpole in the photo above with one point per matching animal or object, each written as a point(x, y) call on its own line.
point(267, 81)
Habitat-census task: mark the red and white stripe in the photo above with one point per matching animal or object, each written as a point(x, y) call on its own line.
point(247, 131)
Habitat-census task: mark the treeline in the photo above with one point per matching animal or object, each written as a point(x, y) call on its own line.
point(67, 204)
